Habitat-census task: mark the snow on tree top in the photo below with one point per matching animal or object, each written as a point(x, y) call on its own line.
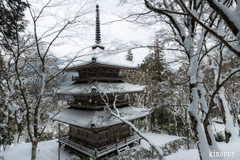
point(86, 88)
point(84, 118)
point(100, 56)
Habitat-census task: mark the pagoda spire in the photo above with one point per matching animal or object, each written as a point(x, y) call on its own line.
point(98, 34)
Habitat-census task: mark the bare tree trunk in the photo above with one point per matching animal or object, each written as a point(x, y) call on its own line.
point(19, 127)
point(227, 134)
point(175, 124)
point(202, 144)
point(194, 125)
point(18, 138)
point(227, 119)
point(152, 121)
point(210, 136)
point(34, 151)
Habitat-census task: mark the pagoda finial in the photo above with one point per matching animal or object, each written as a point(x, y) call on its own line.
point(98, 34)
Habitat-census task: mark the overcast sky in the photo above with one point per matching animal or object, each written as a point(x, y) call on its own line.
point(120, 31)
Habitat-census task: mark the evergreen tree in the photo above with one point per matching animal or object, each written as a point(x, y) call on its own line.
point(129, 56)
point(155, 64)
point(6, 131)
point(11, 21)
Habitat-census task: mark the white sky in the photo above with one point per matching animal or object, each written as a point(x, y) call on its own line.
point(120, 31)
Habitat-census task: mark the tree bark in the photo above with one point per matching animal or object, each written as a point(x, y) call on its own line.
point(220, 11)
point(194, 120)
point(210, 137)
point(202, 144)
point(194, 125)
point(175, 124)
point(152, 120)
point(34, 150)
point(227, 134)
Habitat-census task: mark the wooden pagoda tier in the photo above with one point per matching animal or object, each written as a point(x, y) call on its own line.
point(101, 61)
point(92, 130)
point(90, 95)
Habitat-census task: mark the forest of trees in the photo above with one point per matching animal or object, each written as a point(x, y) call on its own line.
point(205, 35)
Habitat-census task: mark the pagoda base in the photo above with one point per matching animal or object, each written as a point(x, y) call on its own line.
point(105, 152)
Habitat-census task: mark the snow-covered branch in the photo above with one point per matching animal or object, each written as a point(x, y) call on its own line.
point(151, 143)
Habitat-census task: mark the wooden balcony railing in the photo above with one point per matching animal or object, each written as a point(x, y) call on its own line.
point(96, 106)
point(114, 78)
point(104, 150)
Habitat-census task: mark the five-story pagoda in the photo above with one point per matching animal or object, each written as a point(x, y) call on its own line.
point(93, 130)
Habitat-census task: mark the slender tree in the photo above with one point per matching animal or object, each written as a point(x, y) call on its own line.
point(129, 56)
point(155, 63)
point(27, 58)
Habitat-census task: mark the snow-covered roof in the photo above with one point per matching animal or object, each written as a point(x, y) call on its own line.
point(84, 118)
point(86, 88)
point(103, 57)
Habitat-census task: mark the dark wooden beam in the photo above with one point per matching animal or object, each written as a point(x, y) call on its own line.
point(97, 107)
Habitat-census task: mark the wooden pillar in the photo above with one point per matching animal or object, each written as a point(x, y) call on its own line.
point(117, 143)
point(96, 152)
point(59, 143)
point(188, 139)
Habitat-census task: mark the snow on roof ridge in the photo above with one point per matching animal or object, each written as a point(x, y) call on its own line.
point(102, 57)
point(84, 118)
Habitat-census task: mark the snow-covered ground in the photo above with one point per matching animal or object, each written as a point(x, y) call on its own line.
point(158, 139)
point(224, 147)
point(193, 154)
point(48, 150)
